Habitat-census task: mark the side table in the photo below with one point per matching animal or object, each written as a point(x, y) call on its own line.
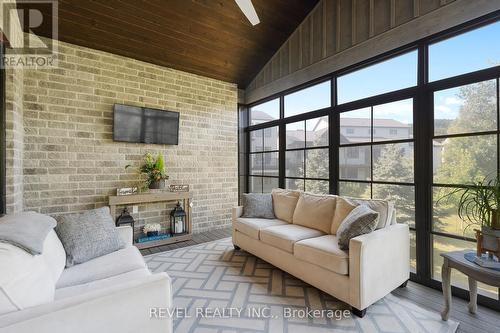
point(474, 273)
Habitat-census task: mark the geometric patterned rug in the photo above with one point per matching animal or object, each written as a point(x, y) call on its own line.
point(218, 289)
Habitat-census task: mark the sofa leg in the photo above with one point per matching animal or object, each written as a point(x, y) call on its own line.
point(236, 247)
point(404, 284)
point(358, 313)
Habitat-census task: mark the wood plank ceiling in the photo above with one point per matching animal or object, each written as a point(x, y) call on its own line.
point(207, 37)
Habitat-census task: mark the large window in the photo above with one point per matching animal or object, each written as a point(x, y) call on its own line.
point(308, 99)
point(393, 74)
point(265, 112)
point(263, 160)
point(306, 156)
point(376, 158)
point(465, 150)
point(465, 53)
point(402, 131)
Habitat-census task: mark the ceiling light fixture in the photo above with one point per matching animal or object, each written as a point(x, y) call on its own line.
point(248, 9)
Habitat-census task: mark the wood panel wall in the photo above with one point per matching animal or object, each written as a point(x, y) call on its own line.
point(334, 26)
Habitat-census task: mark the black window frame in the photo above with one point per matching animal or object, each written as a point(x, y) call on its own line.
point(305, 149)
point(423, 134)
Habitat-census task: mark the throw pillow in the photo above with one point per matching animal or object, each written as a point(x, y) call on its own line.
point(26, 230)
point(88, 235)
point(315, 211)
point(284, 202)
point(258, 205)
point(383, 207)
point(361, 220)
point(342, 208)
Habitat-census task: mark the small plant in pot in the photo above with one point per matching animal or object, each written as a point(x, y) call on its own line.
point(153, 169)
point(478, 206)
point(151, 229)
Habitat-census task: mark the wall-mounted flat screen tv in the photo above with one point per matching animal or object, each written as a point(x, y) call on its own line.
point(145, 125)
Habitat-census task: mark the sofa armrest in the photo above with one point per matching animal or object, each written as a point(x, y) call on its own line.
point(379, 262)
point(122, 308)
point(126, 233)
point(237, 212)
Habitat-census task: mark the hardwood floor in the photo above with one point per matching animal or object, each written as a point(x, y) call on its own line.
point(486, 320)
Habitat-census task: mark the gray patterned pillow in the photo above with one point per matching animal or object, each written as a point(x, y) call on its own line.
point(361, 220)
point(258, 205)
point(88, 235)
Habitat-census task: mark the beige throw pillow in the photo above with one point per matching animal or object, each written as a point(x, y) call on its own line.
point(342, 209)
point(315, 211)
point(284, 202)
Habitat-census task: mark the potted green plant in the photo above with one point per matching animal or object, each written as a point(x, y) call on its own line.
point(153, 169)
point(478, 206)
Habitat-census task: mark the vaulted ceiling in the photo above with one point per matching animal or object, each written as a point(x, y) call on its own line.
point(208, 37)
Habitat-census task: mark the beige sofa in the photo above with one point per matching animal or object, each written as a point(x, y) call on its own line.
point(375, 264)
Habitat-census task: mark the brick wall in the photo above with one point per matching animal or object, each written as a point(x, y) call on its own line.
point(70, 161)
point(14, 134)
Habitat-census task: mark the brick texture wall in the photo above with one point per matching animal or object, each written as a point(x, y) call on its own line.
point(71, 162)
point(14, 135)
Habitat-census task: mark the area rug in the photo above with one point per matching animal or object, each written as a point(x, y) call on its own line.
point(219, 289)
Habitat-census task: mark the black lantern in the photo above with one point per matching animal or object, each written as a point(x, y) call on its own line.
point(177, 220)
point(125, 218)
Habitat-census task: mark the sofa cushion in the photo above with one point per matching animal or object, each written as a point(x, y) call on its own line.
point(259, 205)
point(88, 235)
point(115, 263)
point(252, 226)
point(361, 220)
point(315, 211)
point(100, 284)
point(384, 208)
point(342, 208)
point(285, 236)
point(25, 279)
point(323, 251)
point(54, 255)
point(284, 202)
point(26, 230)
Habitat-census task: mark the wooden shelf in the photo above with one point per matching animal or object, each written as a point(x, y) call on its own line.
point(147, 198)
point(185, 197)
point(160, 242)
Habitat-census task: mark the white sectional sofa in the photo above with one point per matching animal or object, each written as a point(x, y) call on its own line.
point(375, 264)
point(112, 293)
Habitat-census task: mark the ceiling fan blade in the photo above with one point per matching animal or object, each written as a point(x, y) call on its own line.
point(248, 9)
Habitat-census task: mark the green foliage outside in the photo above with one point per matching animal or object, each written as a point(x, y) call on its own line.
point(395, 164)
point(466, 159)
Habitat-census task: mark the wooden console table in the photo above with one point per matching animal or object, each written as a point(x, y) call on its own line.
point(143, 198)
point(473, 271)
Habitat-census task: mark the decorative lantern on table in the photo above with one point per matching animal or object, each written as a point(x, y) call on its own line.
point(125, 218)
point(177, 220)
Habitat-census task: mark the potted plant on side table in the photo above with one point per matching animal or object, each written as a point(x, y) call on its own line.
point(478, 206)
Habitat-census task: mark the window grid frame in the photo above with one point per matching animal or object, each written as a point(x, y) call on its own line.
point(305, 149)
point(423, 177)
